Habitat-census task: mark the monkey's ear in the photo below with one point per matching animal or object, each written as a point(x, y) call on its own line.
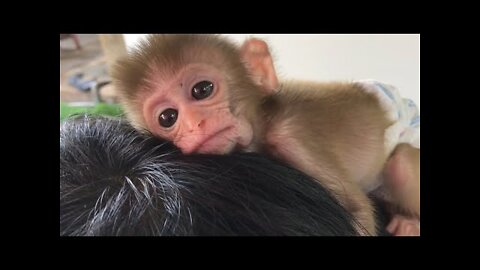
point(260, 63)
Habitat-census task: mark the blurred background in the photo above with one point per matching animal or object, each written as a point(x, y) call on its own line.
point(391, 58)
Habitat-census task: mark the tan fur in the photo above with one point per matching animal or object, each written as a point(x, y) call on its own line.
point(343, 145)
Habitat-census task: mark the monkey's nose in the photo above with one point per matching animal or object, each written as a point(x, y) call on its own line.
point(196, 125)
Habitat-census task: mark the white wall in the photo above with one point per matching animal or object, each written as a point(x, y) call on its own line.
point(393, 59)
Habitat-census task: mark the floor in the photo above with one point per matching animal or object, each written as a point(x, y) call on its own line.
point(90, 61)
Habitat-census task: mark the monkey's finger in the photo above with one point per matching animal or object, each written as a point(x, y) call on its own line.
point(404, 226)
point(408, 229)
point(392, 226)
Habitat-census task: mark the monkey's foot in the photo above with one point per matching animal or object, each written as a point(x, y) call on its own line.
point(400, 168)
point(404, 226)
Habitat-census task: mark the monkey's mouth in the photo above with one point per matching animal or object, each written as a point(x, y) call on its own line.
point(216, 143)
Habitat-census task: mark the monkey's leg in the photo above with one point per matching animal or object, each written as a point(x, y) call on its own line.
point(402, 175)
point(330, 174)
point(358, 203)
point(348, 193)
point(354, 199)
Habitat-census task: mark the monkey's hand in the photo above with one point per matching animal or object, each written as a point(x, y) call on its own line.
point(404, 226)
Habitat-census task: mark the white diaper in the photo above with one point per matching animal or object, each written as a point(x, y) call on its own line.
point(403, 111)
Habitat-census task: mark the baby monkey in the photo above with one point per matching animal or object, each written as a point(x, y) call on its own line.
point(207, 95)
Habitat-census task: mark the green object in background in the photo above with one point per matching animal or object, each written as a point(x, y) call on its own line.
point(67, 110)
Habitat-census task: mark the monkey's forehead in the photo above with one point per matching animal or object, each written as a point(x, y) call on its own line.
point(172, 64)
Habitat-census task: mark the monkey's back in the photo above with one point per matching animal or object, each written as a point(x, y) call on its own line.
point(336, 124)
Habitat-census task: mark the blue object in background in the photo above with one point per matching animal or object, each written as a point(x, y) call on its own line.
point(84, 86)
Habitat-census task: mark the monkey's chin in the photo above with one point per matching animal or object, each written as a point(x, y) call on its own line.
point(226, 141)
point(217, 148)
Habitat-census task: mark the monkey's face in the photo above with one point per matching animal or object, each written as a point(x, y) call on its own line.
point(192, 109)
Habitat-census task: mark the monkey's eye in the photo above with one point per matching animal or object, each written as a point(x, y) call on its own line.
point(167, 118)
point(202, 90)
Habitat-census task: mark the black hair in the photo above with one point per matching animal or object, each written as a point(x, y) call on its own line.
point(115, 180)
